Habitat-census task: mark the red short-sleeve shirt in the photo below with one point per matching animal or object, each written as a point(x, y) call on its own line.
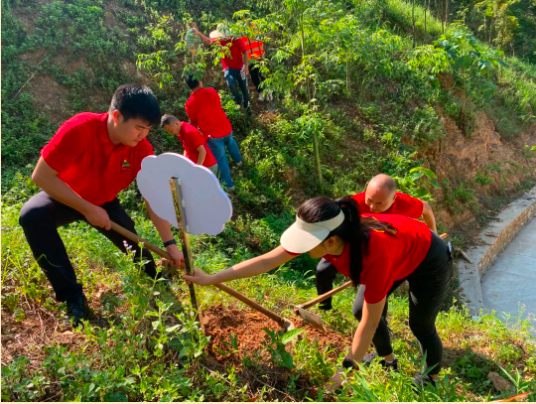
point(388, 258)
point(237, 49)
point(404, 204)
point(86, 159)
point(191, 139)
point(204, 111)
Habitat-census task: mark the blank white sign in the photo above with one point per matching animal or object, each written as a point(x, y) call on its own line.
point(207, 206)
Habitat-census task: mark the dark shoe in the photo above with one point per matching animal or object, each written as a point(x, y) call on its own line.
point(78, 310)
point(391, 366)
point(325, 307)
point(421, 381)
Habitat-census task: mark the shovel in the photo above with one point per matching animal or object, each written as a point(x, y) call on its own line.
point(315, 320)
point(284, 323)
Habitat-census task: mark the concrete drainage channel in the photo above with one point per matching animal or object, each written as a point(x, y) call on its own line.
point(495, 238)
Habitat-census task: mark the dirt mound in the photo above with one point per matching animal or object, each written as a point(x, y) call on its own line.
point(236, 335)
point(234, 330)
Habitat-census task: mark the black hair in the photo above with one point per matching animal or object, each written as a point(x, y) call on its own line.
point(168, 119)
point(191, 81)
point(136, 102)
point(354, 230)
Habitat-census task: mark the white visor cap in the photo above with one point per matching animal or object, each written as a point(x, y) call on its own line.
point(302, 236)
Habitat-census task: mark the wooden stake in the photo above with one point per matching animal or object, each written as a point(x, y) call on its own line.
point(178, 202)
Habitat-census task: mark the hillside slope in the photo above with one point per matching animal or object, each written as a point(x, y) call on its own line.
point(380, 106)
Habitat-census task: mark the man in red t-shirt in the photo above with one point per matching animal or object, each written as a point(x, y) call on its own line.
point(193, 142)
point(234, 63)
point(86, 163)
point(380, 196)
point(205, 112)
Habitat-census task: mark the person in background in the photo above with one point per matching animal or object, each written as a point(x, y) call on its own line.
point(193, 142)
point(255, 50)
point(234, 63)
point(380, 196)
point(206, 113)
point(80, 172)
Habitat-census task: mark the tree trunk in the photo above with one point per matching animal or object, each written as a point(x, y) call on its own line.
point(439, 12)
point(446, 13)
point(462, 112)
point(425, 9)
point(413, 19)
point(316, 151)
point(348, 77)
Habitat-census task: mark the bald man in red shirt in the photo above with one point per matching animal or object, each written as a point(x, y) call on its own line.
point(380, 196)
point(86, 163)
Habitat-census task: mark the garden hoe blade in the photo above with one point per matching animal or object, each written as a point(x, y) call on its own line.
point(312, 319)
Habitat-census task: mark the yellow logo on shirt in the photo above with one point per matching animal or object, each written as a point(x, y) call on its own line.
point(126, 165)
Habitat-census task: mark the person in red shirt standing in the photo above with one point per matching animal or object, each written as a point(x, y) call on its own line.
point(205, 112)
point(194, 143)
point(86, 163)
point(378, 251)
point(380, 196)
point(234, 64)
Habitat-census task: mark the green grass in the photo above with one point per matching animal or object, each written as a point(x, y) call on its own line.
point(148, 346)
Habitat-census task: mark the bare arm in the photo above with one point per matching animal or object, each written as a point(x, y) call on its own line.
point(254, 266)
point(365, 331)
point(202, 155)
point(47, 179)
point(428, 216)
point(362, 339)
point(245, 59)
point(204, 38)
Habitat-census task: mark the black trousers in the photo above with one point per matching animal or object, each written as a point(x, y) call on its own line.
point(41, 216)
point(428, 288)
point(256, 76)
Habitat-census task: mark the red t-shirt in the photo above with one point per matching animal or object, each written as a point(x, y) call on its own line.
point(86, 159)
point(204, 111)
point(237, 49)
point(191, 139)
point(388, 258)
point(404, 204)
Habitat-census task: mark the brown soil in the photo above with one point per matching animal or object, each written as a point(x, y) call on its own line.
point(223, 324)
point(220, 323)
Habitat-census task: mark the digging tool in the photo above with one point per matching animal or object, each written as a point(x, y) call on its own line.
point(284, 323)
point(314, 319)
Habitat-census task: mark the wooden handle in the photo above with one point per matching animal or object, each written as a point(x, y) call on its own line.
point(268, 313)
point(325, 295)
point(134, 237)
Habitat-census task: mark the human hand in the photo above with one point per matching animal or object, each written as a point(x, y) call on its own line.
point(98, 217)
point(176, 255)
point(199, 277)
point(334, 382)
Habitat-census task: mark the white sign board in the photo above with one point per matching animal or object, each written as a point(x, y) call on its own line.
point(207, 206)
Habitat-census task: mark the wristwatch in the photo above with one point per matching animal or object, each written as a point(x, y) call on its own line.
point(349, 364)
point(170, 242)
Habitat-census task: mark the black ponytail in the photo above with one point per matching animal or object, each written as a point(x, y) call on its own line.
point(354, 230)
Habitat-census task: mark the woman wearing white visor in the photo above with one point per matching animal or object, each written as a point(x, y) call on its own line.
point(376, 250)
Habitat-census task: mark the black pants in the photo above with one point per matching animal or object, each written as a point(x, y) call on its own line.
point(41, 216)
point(256, 76)
point(428, 287)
